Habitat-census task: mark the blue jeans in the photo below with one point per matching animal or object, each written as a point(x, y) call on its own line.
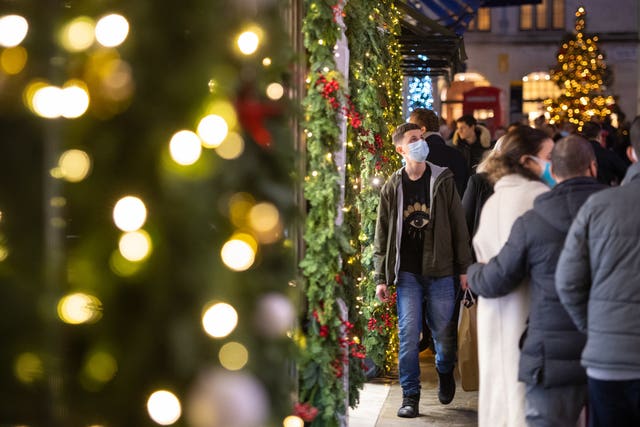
point(614, 403)
point(437, 296)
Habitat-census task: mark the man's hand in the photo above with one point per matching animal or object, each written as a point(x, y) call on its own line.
point(464, 285)
point(381, 292)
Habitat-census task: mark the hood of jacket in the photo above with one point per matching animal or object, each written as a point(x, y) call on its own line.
point(482, 133)
point(560, 206)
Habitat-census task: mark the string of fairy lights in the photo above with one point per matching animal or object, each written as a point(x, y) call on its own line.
point(106, 90)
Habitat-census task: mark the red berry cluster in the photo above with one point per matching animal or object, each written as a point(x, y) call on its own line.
point(338, 10)
point(329, 88)
point(305, 411)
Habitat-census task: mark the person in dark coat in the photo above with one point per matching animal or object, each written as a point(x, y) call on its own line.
point(611, 168)
point(597, 282)
point(439, 152)
point(472, 140)
point(556, 388)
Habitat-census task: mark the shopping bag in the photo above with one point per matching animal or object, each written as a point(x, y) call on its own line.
point(468, 343)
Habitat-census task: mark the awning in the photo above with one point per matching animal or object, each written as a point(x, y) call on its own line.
point(431, 37)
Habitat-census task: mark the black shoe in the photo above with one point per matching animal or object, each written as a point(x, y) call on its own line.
point(447, 387)
point(409, 408)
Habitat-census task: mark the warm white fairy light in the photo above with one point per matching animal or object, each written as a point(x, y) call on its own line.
point(275, 91)
point(293, 421)
point(185, 147)
point(74, 100)
point(233, 356)
point(219, 320)
point(239, 252)
point(112, 30)
point(248, 42)
point(74, 165)
point(231, 147)
point(46, 102)
point(78, 35)
point(212, 129)
point(164, 407)
point(129, 213)
point(13, 30)
point(135, 245)
point(78, 308)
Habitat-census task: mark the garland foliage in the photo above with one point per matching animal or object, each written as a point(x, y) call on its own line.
point(376, 87)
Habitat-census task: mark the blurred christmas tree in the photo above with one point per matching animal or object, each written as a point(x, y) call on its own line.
point(144, 209)
point(583, 76)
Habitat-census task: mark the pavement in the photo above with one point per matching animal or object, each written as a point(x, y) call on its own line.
point(381, 397)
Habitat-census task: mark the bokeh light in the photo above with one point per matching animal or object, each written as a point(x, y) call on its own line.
point(75, 100)
point(248, 42)
point(274, 315)
point(232, 146)
point(275, 91)
point(219, 320)
point(51, 102)
point(213, 129)
point(135, 245)
point(240, 205)
point(164, 407)
point(74, 165)
point(46, 102)
point(78, 35)
point(13, 59)
point(112, 30)
point(78, 308)
point(266, 62)
point(239, 252)
point(100, 366)
point(185, 147)
point(28, 367)
point(233, 356)
point(293, 421)
point(129, 213)
point(264, 217)
point(13, 29)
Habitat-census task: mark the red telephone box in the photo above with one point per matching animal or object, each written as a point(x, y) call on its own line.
point(483, 103)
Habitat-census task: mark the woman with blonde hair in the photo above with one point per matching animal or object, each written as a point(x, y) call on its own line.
point(519, 172)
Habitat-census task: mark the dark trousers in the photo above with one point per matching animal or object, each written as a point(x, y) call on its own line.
point(614, 403)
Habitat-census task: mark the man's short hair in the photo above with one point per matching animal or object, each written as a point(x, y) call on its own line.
point(398, 134)
point(468, 119)
point(427, 118)
point(634, 135)
point(571, 156)
point(591, 130)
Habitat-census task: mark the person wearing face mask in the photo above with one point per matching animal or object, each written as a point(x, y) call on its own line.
point(597, 282)
point(556, 384)
point(421, 242)
point(515, 172)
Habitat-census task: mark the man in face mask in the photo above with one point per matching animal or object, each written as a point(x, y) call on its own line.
point(549, 364)
point(419, 207)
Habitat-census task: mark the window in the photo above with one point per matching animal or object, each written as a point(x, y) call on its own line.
point(482, 20)
point(548, 15)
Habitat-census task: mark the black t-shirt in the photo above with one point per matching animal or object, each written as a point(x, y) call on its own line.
point(415, 217)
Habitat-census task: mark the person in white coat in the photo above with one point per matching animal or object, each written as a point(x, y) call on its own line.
point(520, 172)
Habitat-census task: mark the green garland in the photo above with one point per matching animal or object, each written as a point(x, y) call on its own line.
point(376, 87)
point(320, 365)
point(338, 259)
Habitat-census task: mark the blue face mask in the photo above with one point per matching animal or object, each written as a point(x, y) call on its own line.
point(545, 176)
point(418, 151)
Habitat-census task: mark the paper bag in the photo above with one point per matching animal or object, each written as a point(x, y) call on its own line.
point(468, 343)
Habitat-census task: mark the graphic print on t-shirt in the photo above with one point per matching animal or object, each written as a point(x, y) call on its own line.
point(416, 217)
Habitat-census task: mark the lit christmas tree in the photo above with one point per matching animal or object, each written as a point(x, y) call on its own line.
point(583, 76)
